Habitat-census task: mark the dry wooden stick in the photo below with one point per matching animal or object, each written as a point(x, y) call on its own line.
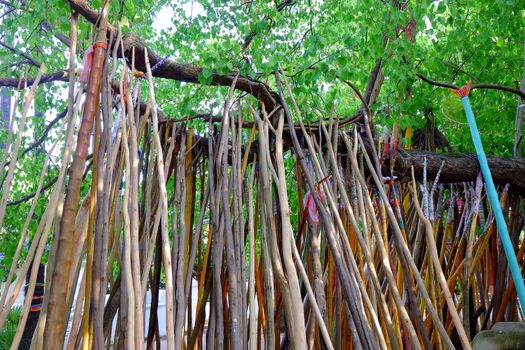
point(252, 334)
point(268, 273)
point(431, 244)
point(360, 326)
point(25, 228)
point(31, 286)
point(14, 151)
point(164, 210)
point(86, 319)
point(467, 262)
point(75, 324)
point(222, 164)
point(363, 244)
point(134, 214)
point(380, 245)
point(405, 251)
point(189, 208)
point(5, 308)
point(269, 227)
point(55, 201)
point(156, 211)
point(297, 335)
point(311, 298)
point(128, 289)
point(180, 259)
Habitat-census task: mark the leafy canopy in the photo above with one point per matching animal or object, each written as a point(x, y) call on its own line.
point(318, 43)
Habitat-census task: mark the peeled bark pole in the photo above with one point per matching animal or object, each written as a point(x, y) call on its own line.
point(57, 310)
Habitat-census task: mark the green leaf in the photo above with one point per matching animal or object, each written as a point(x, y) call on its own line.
point(206, 75)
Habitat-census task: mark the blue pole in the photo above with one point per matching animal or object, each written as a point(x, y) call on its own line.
point(494, 202)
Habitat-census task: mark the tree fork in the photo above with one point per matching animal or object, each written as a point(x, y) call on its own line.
point(55, 322)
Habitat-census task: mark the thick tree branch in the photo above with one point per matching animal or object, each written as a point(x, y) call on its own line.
point(170, 69)
point(436, 83)
point(499, 87)
point(473, 87)
point(460, 167)
point(188, 72)
point(208, 117)
point(82, 7)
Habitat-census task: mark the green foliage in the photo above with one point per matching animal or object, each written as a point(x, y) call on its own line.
point(8, 331)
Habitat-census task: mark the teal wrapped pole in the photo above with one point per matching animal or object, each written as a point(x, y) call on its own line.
point(494, 202)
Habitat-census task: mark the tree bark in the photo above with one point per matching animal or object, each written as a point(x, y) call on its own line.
point(459, 167)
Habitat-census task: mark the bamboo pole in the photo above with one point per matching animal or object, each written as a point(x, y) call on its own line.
point(55, 321)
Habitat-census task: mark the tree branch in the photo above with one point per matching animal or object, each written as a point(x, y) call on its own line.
point(436, 83)
point(48, 27)
point(461, 70)
point(46, 78)
point(30, 59)
point(460, 167)
point(31, 195)
point(45, 133)
point(188, 72)
point(209, 118)
point(185, 72)
point(475, 86)
point(48, 185)
point(356, 91)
